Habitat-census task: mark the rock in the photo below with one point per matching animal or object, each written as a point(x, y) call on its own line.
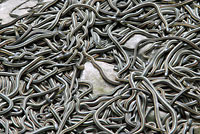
point(92, 75)
point(47, 0)
point(8, 5)
point(197, 130)
point(134, 40)
point(151, 116)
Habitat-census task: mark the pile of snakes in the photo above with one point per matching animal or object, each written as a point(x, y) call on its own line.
point(43, 52)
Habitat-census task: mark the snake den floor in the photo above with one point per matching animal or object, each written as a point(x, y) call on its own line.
point(100, 67)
